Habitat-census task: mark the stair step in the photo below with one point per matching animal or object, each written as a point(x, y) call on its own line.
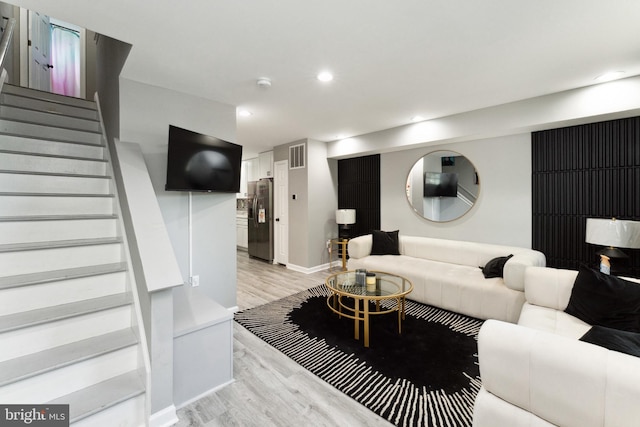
point(33, 339)
point(54, 217)
point(47, 163)
point(25, 182)
point(51, 314)
point(48, 96)
point(35, 257)
point(45, 146)
point(64, 355)
point(56, 229)
point(16, 298)
point(56, 275)
point(101, 396)
point(47, 118)
point(30, 246)
point(48, 106)
point(33, 130)
point(37, 205)
point(68, 379)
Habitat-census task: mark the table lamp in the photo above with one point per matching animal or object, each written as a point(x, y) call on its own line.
point(344, 218)
point(613, 234)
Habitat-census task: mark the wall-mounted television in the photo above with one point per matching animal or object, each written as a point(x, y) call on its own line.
point(197, 162)
point(440, 184)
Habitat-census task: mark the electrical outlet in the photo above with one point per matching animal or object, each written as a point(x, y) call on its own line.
point(195, 281)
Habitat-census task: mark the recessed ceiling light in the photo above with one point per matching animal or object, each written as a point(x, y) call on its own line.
point(611, 75)
point(244, 113)
point(417, 119)
point(325, 76)
point(264, 82)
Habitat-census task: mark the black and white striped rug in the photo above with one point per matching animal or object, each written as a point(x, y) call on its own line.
point(427, 376)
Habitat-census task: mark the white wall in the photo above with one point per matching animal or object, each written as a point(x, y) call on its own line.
point(502, 213)
point(145, 114)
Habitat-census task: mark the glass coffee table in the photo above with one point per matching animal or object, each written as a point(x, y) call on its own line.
point(387, 287)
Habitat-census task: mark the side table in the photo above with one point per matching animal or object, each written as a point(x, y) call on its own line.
point(342, 244)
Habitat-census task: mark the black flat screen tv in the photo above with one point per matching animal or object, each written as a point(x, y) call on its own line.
point(440, 184)
point(197, 162)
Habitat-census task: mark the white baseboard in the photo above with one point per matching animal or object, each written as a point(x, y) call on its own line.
point(164, 418)
point(307, 270)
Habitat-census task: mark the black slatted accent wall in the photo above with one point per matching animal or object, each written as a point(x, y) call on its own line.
point(580, 172)
point(359, 189)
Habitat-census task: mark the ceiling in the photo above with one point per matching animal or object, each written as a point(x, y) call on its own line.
point(392, 60)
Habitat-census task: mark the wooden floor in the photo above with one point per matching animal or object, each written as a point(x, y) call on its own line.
point(269, 388)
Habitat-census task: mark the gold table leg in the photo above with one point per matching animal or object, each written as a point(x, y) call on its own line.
point(400, 315)
point(366, 323)
point(344, 255)
point(356, 321)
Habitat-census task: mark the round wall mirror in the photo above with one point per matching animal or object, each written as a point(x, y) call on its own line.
point(442, 186)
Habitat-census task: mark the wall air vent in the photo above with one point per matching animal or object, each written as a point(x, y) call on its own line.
point(297, 156)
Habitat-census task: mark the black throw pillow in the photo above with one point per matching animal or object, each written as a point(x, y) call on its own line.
point(385, 243)
point(614, 339)
point(605, 300)
point(495, 267)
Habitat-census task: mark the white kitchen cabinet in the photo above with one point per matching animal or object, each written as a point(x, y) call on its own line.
point(243, 180)
point(266, 164)
point(253, 169)
point(242, 232)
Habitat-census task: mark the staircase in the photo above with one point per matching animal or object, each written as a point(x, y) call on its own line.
point(67, 317)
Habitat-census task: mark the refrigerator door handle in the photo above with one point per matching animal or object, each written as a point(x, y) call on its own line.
point(255, 210)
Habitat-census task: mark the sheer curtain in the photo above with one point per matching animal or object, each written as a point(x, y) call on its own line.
point(65, 58)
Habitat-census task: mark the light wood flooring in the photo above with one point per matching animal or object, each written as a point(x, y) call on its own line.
point(269, 388)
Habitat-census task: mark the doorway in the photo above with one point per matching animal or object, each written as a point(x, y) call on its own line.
point(281, 212)
point(52, 55)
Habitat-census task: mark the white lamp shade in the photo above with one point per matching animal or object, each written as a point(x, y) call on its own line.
point(346, 216)
point(613, 232)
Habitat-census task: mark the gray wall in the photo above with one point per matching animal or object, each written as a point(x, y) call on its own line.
point(146, 112)
point(312, 214)
point(12, 60)
point(298, 212)
point(497, 141)
point(502, 213)
point(111, 55)
point(323, 186)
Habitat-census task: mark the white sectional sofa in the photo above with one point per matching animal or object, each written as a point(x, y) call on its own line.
point(446, 273)
point(538, 373)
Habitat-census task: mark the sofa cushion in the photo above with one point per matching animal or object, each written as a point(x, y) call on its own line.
point(605, 300)
point(385, 243)
point(614, 339)
point(551, 320)
point(495, 267)
point(454, 287)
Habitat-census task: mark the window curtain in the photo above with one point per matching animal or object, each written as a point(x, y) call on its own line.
point(65, 58)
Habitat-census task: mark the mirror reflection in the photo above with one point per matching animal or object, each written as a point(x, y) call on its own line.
point(442, 186)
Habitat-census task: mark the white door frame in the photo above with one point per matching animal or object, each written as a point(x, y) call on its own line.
point(281, 212)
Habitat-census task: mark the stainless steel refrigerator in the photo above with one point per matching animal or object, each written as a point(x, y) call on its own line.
point(260, 215)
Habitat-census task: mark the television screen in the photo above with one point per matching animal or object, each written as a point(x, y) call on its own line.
point(197, 162)
point(440, 184)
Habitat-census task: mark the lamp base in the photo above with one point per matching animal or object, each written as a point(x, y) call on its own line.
point(612, 252)
point(344, 231)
